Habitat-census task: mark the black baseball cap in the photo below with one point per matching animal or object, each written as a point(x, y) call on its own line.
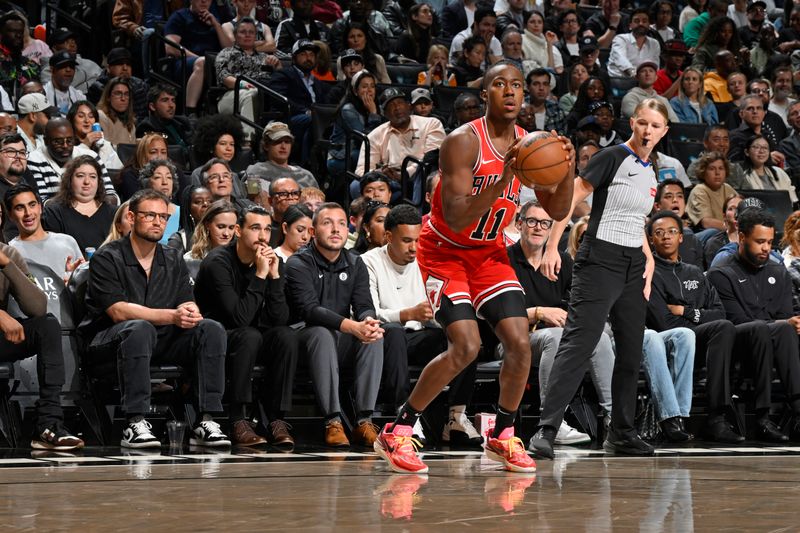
point(588, 44)
point(62, 59)
point(390, 94)
point(750, 203)
point(118, 56)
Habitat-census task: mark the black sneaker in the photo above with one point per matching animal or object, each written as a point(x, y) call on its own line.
point(541, 444)
point(722, 431)
point(627, 445)
point(209, 433)
point(770, 432)
point(57, 438)
point(138, 435)
point(673, 430)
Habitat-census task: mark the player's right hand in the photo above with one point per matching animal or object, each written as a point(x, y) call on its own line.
point(551, 264)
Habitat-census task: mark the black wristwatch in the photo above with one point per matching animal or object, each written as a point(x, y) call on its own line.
point(610, 27)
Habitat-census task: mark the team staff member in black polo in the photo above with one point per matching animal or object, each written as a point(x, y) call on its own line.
point(242, 286)
point(140, 309)
point(611, 278)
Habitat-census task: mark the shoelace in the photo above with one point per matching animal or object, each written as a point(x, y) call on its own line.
point(212, 428)
point(142, 427)
point(515, 446)
point(281, 424)
point(402, 444)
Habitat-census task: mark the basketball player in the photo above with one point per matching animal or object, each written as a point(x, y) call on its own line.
point(466, 269)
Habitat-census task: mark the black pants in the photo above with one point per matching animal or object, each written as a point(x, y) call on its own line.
point(276, 348)
point(42, 338)
point(401, 346)
point(137, 343)
point(716, 340)
point(607, 282)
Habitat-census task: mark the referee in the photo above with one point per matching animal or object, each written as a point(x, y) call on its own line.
point(611, 278)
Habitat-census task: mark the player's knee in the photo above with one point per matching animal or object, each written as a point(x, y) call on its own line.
point(464, 351)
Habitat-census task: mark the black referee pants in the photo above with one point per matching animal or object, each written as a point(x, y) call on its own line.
point(606, 282)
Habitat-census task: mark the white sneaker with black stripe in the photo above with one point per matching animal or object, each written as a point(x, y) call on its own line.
point(209, 433)
point(138, 434)
point(459, 431)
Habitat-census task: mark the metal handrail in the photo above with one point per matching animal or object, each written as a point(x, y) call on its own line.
point(153, 41)
point(50, 28)
point(351, 174)
point(271, 93)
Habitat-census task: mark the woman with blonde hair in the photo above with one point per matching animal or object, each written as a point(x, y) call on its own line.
point(691, 104)
point(215, 229)
point(576, 236)
point(120, 227)
point(437, 68)
point(151, 146)
point(115, 112)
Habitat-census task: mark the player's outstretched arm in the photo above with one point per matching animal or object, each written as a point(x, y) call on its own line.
point(558, 200)
point(456, 159)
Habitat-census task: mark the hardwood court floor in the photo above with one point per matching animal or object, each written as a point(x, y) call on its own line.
point(104, 489)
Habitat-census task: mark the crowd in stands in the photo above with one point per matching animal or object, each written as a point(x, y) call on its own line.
point(242, 183)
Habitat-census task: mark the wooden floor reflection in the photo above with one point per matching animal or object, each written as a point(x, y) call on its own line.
point(355, 492)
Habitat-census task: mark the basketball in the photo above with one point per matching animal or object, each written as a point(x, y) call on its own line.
point(541, 160)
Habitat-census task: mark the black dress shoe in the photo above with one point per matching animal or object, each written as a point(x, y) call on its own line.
point(627, 445)
point(541, 444)
point(768, 431)
point(721, 431)
point(673, 430)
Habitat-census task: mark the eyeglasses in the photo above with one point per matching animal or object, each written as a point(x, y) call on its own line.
point(285, 195)
point(532, 222)
point(759, 148)
point(759, 91)
point(14, 154)
point(150, 216)
point(63, 141)
point(220, 177)
point(120, 94)
point(660, 233)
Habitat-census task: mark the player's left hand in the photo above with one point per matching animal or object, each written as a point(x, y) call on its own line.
point(508, 163)
point(568, 146)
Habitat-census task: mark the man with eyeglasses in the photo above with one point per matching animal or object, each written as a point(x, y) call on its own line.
point(752, 111)
point(140, 309)
point(216, 175)
point(47, 163)
point(750, 34)
point(120, 65)
point(546, 303)
point(13, 171)
point(276, 142)
point(568, 45)
point(772, 121)
point(283, 192)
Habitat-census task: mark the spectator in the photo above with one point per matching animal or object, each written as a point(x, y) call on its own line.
point(422, 102)
point(456, 17)
point(151, 146)
point(646, 78)
point(15, 69)
point(195, 203)
point(717, 139)
point(80, 208)
point(720, 34)
point(661, 13)
point(373, 21)
point(546, 303)
point(13, 171)
point(416, 40)
point(538, 46)
point(751, 33)
point(782, 92)
point(241, 285)
point(715, 82)
point(466, 108)
point(608, 22)
point(374, 186)
point(243, 58)
point(38, 332)
point(629, 50)
point(673, 305)
point(370, 231)
point(323, 69)
point(576, 75)
point(790, 146)
point(468, 70)
point(283, 192)
point(737, 87)
point(8, 124)
point(589, 56)
point(568, 45)
point(483, 27)
point(576, 235)
point(513, 16)
point(511, 44)
point(789, 35)
point(217, 176)
point(357, 38)
point(527, 117)
point(698, 26)
point(83, 116)
point(57, 251)
point(162, 176)
point(731, 246)
point(215, 229)
point(303, 90)
point(691, 10)
point(33, 113)
point(691, 105)
point(59, 89)
point(791, 256)
point(731, 233)
point(86, 70)
point(593, 89)
point(120, 227)
point(115, 113)
point(671, 196)
point(752, 111)
point(603, 113)
point(276, 143)
point(707, 198)
point(674, 54)
point(33, 48)
point(138, 19)
point(264, 42)
point(295, 228)
point(763, 50)
point(162, 119)
point(300, 26)
point(773, 122)
point(763, 311)
point(404, 134)
point(737, 12)
point(164, 326)
point(351, 63)
point(198, 29)
point(548, 114)
point(119, 65)
point(324, 303)
point(46, 164)
point(358, 112)
point(759, 173)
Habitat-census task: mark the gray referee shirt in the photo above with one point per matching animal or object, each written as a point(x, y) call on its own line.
point(624, 191)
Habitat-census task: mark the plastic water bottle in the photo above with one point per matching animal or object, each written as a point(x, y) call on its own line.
point(96, 127)
point(89, 252)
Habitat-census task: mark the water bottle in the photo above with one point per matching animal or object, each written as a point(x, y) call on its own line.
point(96, 127)
point(89, 252)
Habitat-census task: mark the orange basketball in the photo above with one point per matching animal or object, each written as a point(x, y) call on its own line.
point(541, 160)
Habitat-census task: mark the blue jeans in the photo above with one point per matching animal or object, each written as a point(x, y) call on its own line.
point(668, 359)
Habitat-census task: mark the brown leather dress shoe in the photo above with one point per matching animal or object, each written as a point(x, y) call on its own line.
point(279, 434)
point(334, 435)
point(365, 434)
point(244, 435)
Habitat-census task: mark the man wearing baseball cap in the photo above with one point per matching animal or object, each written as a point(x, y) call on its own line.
point(276, 144)
point(348, 63)
point(303, 90)
point(33, 113)
point(86, 70)
point(119, 64)
point(589, 53)
point(59, 90)
point(756, 19)
point(646, 77)
point(629, 50)
point(668, 79)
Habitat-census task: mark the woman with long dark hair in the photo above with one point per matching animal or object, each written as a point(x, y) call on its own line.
point(194, 203)
point(759, 170)
point(357, 37)
point(719, 34)
point(575, 76)
point(115, 112)
point(371, 232)
point(415, 42)
point(83, 115)
point(468, 71)
point(591, 90)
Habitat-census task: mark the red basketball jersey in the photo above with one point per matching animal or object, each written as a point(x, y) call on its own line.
point(488, 229)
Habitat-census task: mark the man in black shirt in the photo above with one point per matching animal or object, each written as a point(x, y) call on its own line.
point(757, 292)
point(161, 104)
point(325, 282)
point(241, 286)
point(671, 196)
point(140, 308)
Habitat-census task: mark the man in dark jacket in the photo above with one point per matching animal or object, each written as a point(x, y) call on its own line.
point(120, 64)
point(757, 294)
point(300, 26)
point(241, 286)
point(325, 282)
point(161, 103)
point(682, 297)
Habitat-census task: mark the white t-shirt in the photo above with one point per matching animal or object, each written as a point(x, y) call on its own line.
point(52, 251)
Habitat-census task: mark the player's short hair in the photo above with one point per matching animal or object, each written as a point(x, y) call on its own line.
point(663, 214)
point(500, 64)
point(402, 214)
